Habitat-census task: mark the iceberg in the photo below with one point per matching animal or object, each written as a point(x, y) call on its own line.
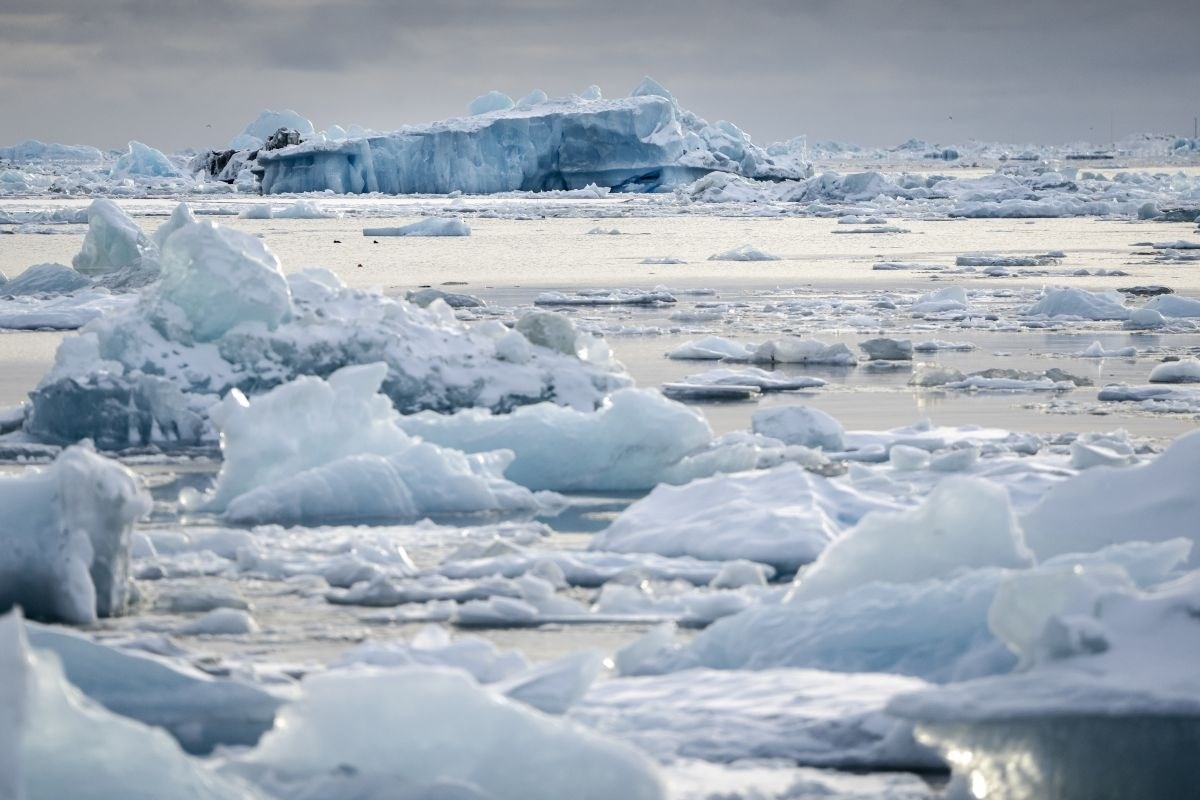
point(255, 134)
point(114, 242)
point(224, 317)
point(143, 161)
point(33, 150)
point(639, 143)
point(799, 425)
point(1072, 302)
point(316, 451)
point(492, 101)
point(64, 550)
point(45, 279)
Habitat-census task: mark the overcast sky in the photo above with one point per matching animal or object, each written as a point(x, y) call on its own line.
point(865, 71)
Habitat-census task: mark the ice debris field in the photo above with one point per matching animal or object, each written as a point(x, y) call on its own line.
point(582, 448)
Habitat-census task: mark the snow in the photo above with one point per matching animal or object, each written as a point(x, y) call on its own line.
point(636, 440)
point(637, 143)
point(1185, 370)
point(965, 523)
point(65, 554)
point(313, 451)
point(142, 160)
point(1105, 505)
point(783, 516)
point(804, 716)
point(219, 278)
point(157, 378)
point(799, 425)
point(377, 732)
point(745, 252)
point(487, 103)
point(1069, 301)
point(433, 226)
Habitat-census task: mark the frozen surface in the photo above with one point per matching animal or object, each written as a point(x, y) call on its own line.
point(65, 554)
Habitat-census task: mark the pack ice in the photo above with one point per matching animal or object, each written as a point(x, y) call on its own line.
point(223, 316)
point(638, 143)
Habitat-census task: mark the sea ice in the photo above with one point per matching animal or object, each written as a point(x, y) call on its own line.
point(114, 242)
point(1185, 370)
point(45, 279)
point(143, 161)
point(799, 425)
point(745, 252)
point(1071, 302)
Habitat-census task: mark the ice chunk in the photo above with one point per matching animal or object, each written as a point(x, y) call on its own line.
point(432, 226)
point(267, 123)
point(885, 349)
point(219, 277)
point(711, 348)
point(802, 425)
point(549, 329)
point(303, 209)
point(1172, 305)
point(630, 443)
point(793, 350)
point(1072, 302)
point(752, 376)
point(113, 242)
point(65, 545)
point(1105, 505)
point(33, 150)
point(198, 710)
point(66, 746)
point(1185, 370)
point(45, 279)
point(143, 161)
point(745, 252)
point(783, 516)
point(221, 622)
point(1098, 350)
point(180, 216)
point(432, 646)
point(314, 451)
point(535, 97)
point(487, 103)
point(402, 730)
point(1141, 319)
point(965, 523)
point(949, 298)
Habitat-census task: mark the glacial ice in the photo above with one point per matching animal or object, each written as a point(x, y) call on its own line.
point(783, 516)
point(432, 226)
point(315, 451)
point(65, 554)
point(429, 732)
point(142, 160)
point(148, 374)
point(646, 142)
point(255, 134)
